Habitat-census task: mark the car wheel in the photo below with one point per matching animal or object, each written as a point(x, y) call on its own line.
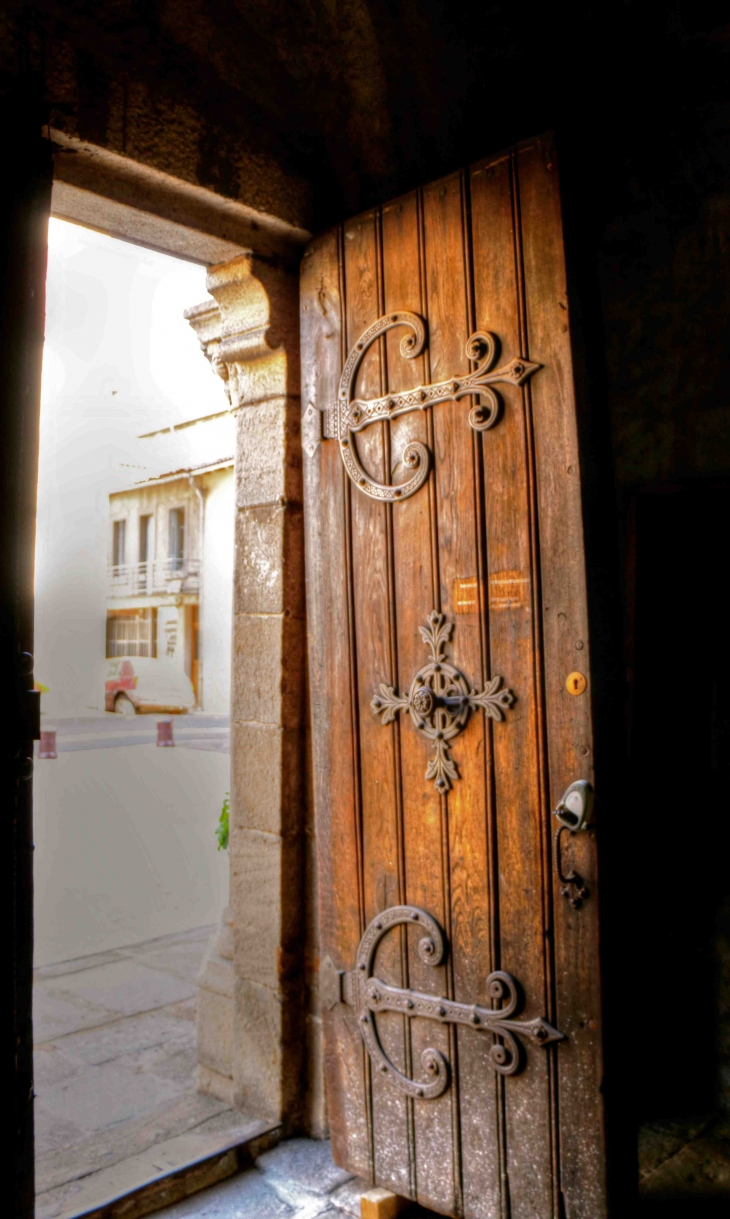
point(123, 706)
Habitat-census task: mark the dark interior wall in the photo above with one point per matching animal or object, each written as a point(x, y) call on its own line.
point(675, 873)
point(665, 286)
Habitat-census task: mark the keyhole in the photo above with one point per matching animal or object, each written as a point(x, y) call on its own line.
point(575, 683)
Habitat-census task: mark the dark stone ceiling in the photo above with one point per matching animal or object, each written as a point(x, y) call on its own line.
point(353, 101)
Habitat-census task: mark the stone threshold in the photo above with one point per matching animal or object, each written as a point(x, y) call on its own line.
point(171, 1170)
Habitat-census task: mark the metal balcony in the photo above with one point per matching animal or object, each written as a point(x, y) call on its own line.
point(170, 575)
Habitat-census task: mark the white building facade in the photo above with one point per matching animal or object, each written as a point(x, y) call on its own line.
point(171, 562)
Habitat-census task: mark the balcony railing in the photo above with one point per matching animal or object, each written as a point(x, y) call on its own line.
point(179, 575)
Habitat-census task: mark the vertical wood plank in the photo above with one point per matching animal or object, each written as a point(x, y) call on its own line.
point(467, 858)
point(412, 563)
point(515, 655)
point(374, 610)
point(426, 841)
point(333, 741)
point(416, 595)
point(569, 720)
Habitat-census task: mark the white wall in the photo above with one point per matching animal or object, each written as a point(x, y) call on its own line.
point(119, 360)
point(216, 619)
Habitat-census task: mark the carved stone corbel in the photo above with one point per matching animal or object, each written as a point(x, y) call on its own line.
point(249, 331)
point(205, 319)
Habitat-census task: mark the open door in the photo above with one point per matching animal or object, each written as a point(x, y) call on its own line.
point(451, 699)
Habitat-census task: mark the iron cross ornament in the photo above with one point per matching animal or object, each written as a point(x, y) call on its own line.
point(440, 701)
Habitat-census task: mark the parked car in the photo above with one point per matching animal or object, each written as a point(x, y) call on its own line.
point(142, 683)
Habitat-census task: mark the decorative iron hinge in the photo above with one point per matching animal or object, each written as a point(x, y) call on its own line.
point(349, 415)
point(440, 700)
point(368, 995)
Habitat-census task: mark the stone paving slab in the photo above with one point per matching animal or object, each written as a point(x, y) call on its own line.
point(124, 988)
point(61, 968)
point(181, 959)
point(56, 1013)
point(346, 1199)
point(94, 1153)
point(85, 998)
point(171, 1026)
point(138, 1174)
point(115, 1067)
point(246, 1196)
point(296, 1180)
point(106, 1095)
point(306, 1162)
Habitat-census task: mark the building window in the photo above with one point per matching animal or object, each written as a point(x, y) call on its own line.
point(131, 632)
point(145, 539)
point(119, 542)
point(145, 557)
point(177, 539)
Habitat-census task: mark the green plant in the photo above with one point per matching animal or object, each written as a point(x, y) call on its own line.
point(221, 830)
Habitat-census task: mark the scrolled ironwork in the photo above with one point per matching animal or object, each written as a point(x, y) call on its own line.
point(349, 415)
point(369, 995)
point(440, 701)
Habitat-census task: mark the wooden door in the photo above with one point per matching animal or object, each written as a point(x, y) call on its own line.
point(451, 698)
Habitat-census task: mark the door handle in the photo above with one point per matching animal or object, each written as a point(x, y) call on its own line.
point(573, 813)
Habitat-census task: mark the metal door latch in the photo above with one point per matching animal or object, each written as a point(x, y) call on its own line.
point(573, 813)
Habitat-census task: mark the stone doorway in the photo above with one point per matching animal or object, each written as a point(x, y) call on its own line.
point(125, 832)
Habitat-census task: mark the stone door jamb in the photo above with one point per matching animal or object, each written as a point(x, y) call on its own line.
point(252, 1031)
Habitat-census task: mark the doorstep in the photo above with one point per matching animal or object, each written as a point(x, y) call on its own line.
point(171, 1170)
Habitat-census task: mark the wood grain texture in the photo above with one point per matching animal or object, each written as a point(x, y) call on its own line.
point(513, 644)
point(500, 514)
point(374, 610)
point(568, 719)
point(334, 744)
